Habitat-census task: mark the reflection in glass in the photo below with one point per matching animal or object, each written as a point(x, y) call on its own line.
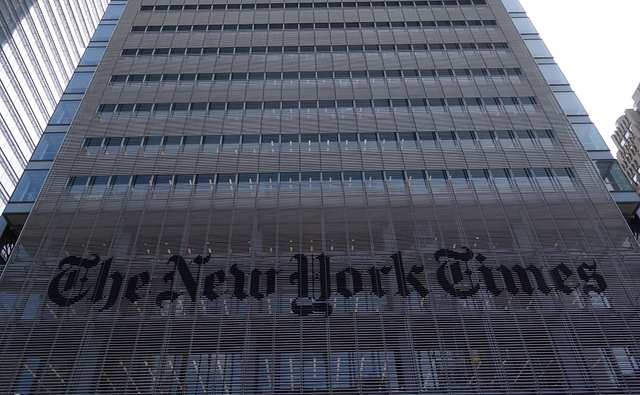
point(79, 83)
point(553, 74)
point(613, 176)
point(92, 56)
point(48, 146)
point(513, 5)
point(64, 113)
point(29, 186)
point(524, 25)
point(590, 137)
point(113, 11)
point(103, 33)
point(570, 103)
point(538, 49)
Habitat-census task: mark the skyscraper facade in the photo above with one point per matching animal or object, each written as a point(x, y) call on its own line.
point(41, 43)
point(321, 197)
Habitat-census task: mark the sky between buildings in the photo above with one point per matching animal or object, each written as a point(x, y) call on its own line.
point(596, 43)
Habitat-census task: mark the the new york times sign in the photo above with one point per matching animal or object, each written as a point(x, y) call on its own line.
point(460, 274)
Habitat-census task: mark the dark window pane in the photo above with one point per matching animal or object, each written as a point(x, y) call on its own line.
point(199, 106)
point(346, 137)
point(270, 139)
point(231, 139)
point(251, 139)
point(204, 76)
point(235, 105)
point(180, 106)
point(211, 140)
point(162, 107)
point(406, 136)
point(326, 104)
point(309, 138)
point(352, 176)
point(387, 136)
point(144, 107)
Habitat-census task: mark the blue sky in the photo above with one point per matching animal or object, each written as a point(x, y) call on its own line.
point(596, 43)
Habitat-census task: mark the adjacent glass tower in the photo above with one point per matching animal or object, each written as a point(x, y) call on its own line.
point(41, 43)
point(310, 197)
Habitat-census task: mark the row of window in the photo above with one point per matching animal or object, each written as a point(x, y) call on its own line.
point(307, 138)
point(308, 104)
point(316, 176)
point(317, 25)
point(336, 74)
point(336, 4)
point(313, 49)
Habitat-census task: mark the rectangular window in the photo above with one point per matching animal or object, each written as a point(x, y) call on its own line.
point(48, 146)
point(103, 33)
point(590, 137)
point(113, 11)
point(29, 186)
point(64, 112)
point(538, 49)
point(79, 83)
point(205, 180)
point(570, 103)
point(613, 176)
point(92, 56)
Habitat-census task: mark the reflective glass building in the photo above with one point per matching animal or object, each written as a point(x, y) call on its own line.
point(41, 43)
point(372, 197)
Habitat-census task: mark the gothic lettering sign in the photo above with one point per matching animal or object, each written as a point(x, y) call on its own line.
point(460, 274)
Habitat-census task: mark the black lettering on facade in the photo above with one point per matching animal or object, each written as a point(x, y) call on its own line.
point(210, 284)
point(402, 278)
point(325, 276)
point(132, 286)
point(525, 281)
point(305, 305)
point(238, 283)
point(510, 281)
point(116, 284)
point(489, 280)
point(301, 277)
point(254, 286)
point(81, 278)
point(189, 281)
point(537, 274)
point(356, 282)
point(561, 274)
point(77, 271)
point(457, 275)
point(167, 296)
point(114, 291)
point(587, 273)
point(376, 280)
point(102, 280)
